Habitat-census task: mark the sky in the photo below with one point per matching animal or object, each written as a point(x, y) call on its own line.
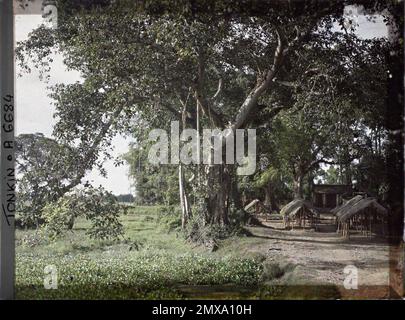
point(35, 110)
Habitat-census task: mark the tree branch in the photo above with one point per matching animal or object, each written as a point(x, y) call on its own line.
point(283, 48)
point(91, 152)
point(215, 118)
point(219, 90)
point(251, 101)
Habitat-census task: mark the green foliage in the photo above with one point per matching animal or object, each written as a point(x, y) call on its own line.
point(267, 176)
point(331, 175)
point(170, 218)
point(154, 184)
point(199, 231)
point(31, 239)
point(150, 265)
point(146, 275)
point(273, 271)
point(96, 205)
point(57, 217)
point(101, 208)
point(238, 217)
point(146, 63)
point(126, 198)
point(45, 168)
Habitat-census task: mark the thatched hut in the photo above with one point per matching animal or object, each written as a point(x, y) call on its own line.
point(299, 212)
point(258, 208)
point(361, 214)
point(339, 210)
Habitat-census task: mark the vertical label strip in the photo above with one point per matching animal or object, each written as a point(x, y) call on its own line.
point(7, 190)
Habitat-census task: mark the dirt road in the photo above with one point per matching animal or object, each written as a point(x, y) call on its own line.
point(320, 257)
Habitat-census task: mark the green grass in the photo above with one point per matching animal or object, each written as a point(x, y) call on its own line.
point(144, 275)
point(153, 261)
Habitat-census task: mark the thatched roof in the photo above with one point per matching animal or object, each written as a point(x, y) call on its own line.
point(346, 205)
point(292, 208)
point(251, 204)
point(367, 205)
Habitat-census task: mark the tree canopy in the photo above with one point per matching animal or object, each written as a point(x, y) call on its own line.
point(273, 65)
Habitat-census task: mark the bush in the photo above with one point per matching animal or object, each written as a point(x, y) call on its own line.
point(102, 209)
point(238, 217)
point(95, 204)
point(199, 231)
point(31, 240)
point(57, 217)
point(170, 218)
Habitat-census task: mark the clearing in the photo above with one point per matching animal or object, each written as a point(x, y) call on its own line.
point(320, 257)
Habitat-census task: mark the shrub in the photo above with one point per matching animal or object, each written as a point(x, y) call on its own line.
point(199, 231)
point(31, 240)
point(170, 218)
point(95, 204)
point(102, 209)
point(57, 217)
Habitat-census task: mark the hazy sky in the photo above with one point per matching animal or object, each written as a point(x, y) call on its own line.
point(35, 110)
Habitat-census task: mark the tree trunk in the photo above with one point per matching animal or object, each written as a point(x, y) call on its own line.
point(71, 223)
point(269, 199)
point(298, 186)
point(237, 197)
point(218, 195)
point(184, 202)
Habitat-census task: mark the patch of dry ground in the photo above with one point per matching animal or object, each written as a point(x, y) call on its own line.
point(321, 256)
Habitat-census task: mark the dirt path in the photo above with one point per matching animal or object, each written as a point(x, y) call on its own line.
point(321, 256)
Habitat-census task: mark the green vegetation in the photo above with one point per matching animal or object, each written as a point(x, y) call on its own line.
point(151, 263)
point(94, 204)
point(312, 88)
point(315, 90)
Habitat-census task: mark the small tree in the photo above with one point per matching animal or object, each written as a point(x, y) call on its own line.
point(97, 205)
point(44, 169)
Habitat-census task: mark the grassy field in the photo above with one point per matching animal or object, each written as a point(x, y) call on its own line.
point(154, 261)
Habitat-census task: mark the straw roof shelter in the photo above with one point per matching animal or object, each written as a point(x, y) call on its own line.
point(339, 210)
point(362, 206)
point(293, 208)
point(362, 214)
point(299, 210)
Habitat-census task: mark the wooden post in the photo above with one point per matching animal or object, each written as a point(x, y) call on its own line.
point(7, 193)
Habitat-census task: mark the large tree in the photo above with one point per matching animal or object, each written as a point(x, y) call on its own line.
point(202, 63)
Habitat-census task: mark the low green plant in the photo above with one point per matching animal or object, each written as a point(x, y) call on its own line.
point(31, 239)
point(144, 274)
point(57, 217)
point(199, 231)
point(97, 205)
point(169, 218)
